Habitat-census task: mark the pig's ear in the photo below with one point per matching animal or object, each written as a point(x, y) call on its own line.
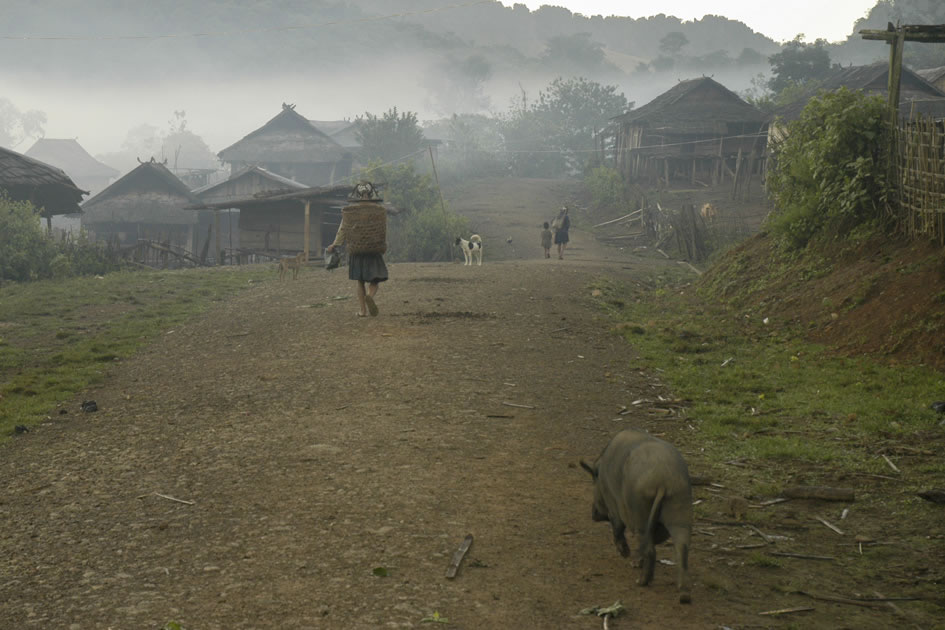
point(592, 470)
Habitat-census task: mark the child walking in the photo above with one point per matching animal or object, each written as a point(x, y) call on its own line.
point(546, 240)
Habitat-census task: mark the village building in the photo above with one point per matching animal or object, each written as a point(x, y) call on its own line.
point(697, 131)
point(276, 223)
point(48, 188)
point(292, 146)
point(147, 204)
point(916, 95)
point(252, 181)
point(935, 76)
point(67, 154)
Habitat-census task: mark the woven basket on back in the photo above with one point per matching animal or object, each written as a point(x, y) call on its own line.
point(365, 228)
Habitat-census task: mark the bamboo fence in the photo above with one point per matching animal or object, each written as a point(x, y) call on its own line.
point(920, 178)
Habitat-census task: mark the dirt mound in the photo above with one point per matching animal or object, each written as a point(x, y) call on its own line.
point(882, 296)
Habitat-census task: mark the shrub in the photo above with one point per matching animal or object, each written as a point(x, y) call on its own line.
point(25, 252)
point(605, 187)
point(423, 230)
point(830, 170)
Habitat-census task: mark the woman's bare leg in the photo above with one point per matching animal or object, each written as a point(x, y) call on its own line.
point(361, 301)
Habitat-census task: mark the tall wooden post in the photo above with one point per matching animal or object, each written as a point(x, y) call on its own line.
point(216, 231)
point(307, 220)
point(896, 44)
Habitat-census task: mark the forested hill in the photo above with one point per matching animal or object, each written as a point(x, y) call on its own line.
point(233, 38)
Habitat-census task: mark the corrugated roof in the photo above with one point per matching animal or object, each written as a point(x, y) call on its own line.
point(287, 138)
point(68, 154)
point(701, 100)
point(870, 79)
point(48, 187)
point(279, 181)
point(148, 194)
point(932, 74)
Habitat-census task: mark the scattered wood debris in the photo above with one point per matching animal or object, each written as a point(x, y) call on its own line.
point(458, 556)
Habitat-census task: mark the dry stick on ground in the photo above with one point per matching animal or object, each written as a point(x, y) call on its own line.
point(841, 600)
point(458, 556)
point(169, 498)
point(804, 556)
point(891, 465)
point(833, 527)
point(508, 404)
point(764, 537)
point(785, 611)
point(824, 493)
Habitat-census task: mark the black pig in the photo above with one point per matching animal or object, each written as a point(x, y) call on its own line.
point(643, 483)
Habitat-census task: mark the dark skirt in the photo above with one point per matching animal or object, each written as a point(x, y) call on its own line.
point(367, 267)
point(561, 236)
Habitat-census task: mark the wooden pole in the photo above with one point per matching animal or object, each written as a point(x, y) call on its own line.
point(305, 237)
point(216, 232)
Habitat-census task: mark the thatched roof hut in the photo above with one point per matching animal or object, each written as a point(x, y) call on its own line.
point(695, 129)
point(46, 187)
point(148, 194)
point(68, 154)
point(291, 146)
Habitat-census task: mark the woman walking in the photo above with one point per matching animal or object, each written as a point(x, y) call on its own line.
point(563, 223)
point(367, 268)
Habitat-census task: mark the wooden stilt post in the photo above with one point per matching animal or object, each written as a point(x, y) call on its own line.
point(216, 232)
point(306, 235)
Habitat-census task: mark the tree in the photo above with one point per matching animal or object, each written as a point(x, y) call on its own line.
point(556, 133)
point(576, 53)
point(184, 149)
point(672, 44)
point(390, 137)
point(17, 126)
point(458, 89)
point(799, 63)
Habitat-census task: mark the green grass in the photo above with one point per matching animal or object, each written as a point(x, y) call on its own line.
point(777, 397)
point(59, 337)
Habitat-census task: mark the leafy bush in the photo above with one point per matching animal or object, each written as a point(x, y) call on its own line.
point(830, 169)
point(423, 230)
point(605, 187)
point(24, 250)
point(26, 253)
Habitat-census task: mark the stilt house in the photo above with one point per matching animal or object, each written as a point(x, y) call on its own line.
point(697, 131)
point(147, 203)
point(293, 147)
point(250, 182)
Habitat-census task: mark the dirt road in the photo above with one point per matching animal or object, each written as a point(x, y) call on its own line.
point(279, 463)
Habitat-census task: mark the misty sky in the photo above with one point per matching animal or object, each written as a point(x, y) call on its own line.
point(781, 21)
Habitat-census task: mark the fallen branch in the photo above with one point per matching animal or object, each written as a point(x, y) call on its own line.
point(841, 600)
point(803, 556)
point(508, 404)
point(458, 556)
point(824, 493)
point(498, 415)
point(774, 501)
point(786, 611)
point(764, 537)
point(833, 527)
point(164, 496)
point(891, 465)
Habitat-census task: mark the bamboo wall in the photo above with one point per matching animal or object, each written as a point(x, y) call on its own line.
point(920, 178)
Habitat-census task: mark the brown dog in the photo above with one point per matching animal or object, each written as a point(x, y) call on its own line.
point(294, 263)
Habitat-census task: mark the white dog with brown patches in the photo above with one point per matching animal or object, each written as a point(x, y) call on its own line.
point(471, 249)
